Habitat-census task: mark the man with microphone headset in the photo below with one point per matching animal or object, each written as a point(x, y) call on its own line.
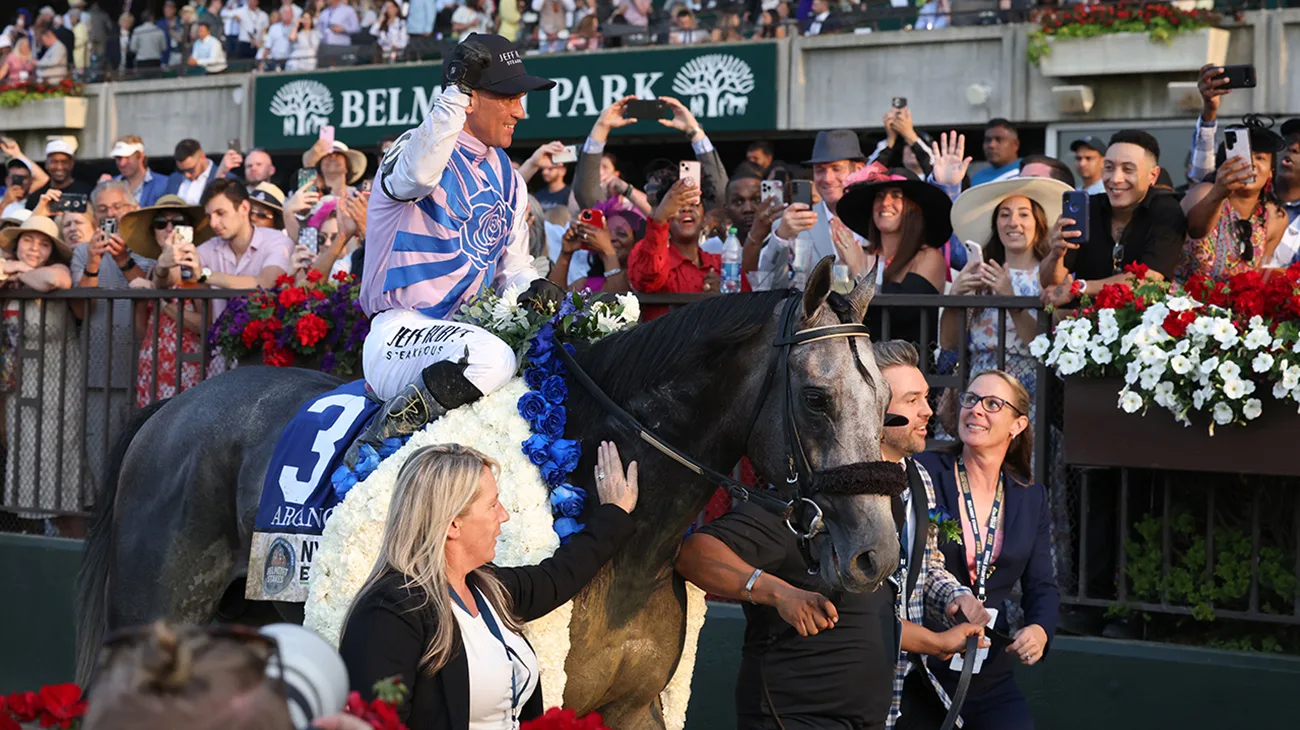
point(447, 218)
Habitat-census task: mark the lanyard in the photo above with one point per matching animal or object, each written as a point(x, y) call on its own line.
point(511, 656)
point(983, 551)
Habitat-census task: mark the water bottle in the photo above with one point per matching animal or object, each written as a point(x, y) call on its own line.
point(801, 259)
point(731, 254)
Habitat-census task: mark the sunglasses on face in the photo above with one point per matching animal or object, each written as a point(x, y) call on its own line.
point(161, 222)
point(991, 403)
point(258, 213)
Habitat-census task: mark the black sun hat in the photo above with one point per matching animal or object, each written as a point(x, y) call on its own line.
point(854, 209)
point(504, 73)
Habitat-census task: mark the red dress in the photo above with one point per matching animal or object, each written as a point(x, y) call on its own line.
point(655, 266)
point(167, 360)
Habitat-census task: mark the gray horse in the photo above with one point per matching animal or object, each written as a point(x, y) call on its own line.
point(173, 530)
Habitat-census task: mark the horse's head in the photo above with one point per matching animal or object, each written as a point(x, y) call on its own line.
point(837, 400)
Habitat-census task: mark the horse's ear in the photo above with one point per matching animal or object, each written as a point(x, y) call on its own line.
point(863, 293)
point(818, 288)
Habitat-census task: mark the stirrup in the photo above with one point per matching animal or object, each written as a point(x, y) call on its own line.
point(404, 414)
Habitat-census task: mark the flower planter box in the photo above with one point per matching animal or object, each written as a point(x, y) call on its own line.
point(1098, 433)
point(1134, 53)
point(68, 112)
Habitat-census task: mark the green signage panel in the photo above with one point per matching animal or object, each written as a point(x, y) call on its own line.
point(728, 87)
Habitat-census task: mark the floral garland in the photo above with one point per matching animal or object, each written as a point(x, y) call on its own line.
point(55, 705)
point(1208, 347)
point(320, 318)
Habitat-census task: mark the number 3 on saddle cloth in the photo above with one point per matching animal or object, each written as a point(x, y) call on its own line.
point(297, 498)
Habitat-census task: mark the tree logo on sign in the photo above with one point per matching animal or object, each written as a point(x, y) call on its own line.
point(718, 85)
point(304, 105)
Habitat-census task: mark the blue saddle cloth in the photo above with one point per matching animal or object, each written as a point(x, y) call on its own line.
point(297, 496)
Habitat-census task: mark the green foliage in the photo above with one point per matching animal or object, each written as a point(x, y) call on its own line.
point(1159, 21)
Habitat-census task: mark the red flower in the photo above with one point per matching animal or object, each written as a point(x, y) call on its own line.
point(317, 294)
point(314, 276)
point(565, 719)
point(23, 706)
point(1248, 304)
point(252, 333)
point(291, 297)
point(7, 722)
point(310, 329)
point(1139, 271)
point(60, 705)
point(1114, 296)
point(1176, 323)
point(284, 280)
point(276, 356)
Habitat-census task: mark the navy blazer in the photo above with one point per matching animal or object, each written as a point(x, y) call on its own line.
point(153, 188)
point(1026, 557)
point(175, 179)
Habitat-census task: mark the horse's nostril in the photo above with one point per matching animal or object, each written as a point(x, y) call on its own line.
point(866, 562)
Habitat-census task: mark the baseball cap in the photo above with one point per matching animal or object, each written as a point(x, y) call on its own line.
point(60, 145)
point(504, 73)
point(1290, 127)
point(125, 149)
point(1090, 142)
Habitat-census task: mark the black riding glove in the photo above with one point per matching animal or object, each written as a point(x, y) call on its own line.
point(541, 293)
point(465, 67)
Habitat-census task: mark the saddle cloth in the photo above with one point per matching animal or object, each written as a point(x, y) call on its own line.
point(297, 497)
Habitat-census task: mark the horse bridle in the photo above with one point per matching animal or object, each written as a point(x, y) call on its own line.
point(799, 483)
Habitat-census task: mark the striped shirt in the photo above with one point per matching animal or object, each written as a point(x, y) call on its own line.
point(449, 217)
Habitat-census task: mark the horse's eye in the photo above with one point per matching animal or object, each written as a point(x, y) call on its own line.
point(816, 399)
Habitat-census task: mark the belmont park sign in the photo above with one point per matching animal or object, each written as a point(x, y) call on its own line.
point(728, 87)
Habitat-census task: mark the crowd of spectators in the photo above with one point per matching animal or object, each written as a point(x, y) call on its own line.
point(88, 43)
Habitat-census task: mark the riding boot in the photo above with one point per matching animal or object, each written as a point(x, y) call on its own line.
point(442, 387)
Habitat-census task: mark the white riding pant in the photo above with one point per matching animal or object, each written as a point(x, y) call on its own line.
point(402, 343)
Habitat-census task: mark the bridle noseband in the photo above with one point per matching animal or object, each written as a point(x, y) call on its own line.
point(799, 489)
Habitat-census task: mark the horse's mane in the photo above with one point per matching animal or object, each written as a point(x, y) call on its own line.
point(680, 343)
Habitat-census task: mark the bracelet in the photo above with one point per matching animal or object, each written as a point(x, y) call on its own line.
point(1078, 287)
point(86, 272)
point(130, 263)
point(612, 272)
point(693, 131)
point(749, 585)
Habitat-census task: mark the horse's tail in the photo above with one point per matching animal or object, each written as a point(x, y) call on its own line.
point(92, 579)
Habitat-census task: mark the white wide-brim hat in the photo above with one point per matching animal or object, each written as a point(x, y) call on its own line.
point(972, 211)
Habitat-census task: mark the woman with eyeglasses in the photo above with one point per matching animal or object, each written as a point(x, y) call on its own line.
point(1234, 224)
point(985, 482)
point(177, 325)
point(436, 612)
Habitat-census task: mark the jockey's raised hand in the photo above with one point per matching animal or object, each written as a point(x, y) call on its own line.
point(612, 484)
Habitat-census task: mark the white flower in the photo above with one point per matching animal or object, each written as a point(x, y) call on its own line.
point(1280, 390)
point(1077, 339)
point(1209, 366)
point(1039, 347)
point(1198, 399)
point(1149, 380)
point(1222, 413)
point(631, 308)
point(1107, 326)
point(1180, 364)
point(1183, 347)
point(607, 324)
point(1224, 332)
point(1129, 401)
point(1257, 339)
point(1070, 363)
point(1290, 376)
point(1229, 370)
point(1181, 304)
point(1134, 372)
point(1234, 389)
point(1262, 362)
point(1100, 355)
point(511, 296)
point(1252, 409)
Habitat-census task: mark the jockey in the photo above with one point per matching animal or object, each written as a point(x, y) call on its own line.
point(448, 217)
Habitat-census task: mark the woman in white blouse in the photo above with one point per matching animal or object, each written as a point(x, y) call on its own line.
point(390, 30)
point(306, 39)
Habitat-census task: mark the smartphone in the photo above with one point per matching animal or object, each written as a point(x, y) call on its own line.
point(591, 217)
point(801, 192)
point(899, 102)
point(366, 185)
point(690, 170)
point(1074, 205)
point(643, 109)
point(1239, 77)
point(974, 252)
point(327, 133)
point(108, 226)
point(71, 203)
point(310, 238)
point(182, 234)
point(232, 144)
point(570, 154)
point(306, 177)
point(1236, 143)
point(773, 190)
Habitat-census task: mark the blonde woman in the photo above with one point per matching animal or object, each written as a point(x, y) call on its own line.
point(436, 612)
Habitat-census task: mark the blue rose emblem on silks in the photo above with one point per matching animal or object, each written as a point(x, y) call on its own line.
point(485, 232)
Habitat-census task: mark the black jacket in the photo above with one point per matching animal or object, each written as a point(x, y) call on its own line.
point(387, 634)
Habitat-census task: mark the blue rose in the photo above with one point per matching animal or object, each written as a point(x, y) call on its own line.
point(552, 474)
point(390, 446)
point(367, 462)
point(537, 449)
point(552, 424)
point(543, 342)
point(555, 390)
point(566, 453)
point(566, 527)
point(532, 406)
point(534, 376)
point(567, 500)
point(345, 483)
point(939, 514)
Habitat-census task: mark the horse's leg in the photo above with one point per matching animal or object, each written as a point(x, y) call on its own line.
point(619, 671)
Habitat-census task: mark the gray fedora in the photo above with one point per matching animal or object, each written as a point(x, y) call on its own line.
point(836, 144)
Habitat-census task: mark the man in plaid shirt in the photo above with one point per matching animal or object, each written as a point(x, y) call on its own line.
point(931, 591)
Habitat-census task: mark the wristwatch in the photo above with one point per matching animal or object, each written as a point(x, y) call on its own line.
point(130, 264)
point(203, 275)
